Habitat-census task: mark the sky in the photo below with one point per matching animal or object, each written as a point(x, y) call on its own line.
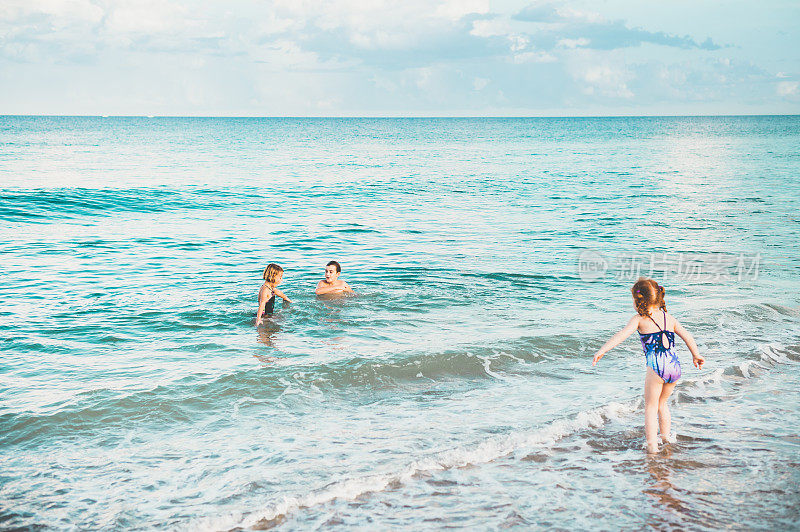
point(399, 58)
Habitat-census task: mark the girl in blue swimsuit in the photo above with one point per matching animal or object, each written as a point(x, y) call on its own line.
point(658, 344)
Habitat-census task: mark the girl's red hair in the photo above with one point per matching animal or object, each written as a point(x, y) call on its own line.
point(648, 293)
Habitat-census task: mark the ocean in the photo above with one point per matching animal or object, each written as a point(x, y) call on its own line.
point(490, 259)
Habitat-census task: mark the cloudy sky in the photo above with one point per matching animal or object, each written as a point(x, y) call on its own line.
point(399, 58)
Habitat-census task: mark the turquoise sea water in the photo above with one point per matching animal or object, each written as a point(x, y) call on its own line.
point(490, 257)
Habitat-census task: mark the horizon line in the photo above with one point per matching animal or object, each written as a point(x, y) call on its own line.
point(710, 115)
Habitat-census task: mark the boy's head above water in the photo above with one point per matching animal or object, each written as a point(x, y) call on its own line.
point(332, 271)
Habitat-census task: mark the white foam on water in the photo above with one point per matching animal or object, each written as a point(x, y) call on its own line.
point(487, 362)
point(242, 402)
point(701, 385)
point(487, 451)
point(771, 353)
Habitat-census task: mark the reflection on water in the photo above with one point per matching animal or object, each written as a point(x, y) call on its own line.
point(268, 332)
point(266, 360)
point(661, 488)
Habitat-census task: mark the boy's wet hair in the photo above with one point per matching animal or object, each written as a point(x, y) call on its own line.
point(647, 293)
point(271, 272)
point(334, 263)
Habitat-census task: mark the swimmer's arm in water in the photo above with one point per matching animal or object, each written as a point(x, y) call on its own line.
point(262, 300)
point(687, 337)
point(324, 287)
point(617, 339)
point(281, 295)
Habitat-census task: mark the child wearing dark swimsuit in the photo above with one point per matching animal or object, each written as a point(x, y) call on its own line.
point(658, 344)
point(273, 275)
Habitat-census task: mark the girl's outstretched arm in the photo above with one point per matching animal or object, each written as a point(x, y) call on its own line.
point(687, 337)
point(615, 340)
point(282, 295)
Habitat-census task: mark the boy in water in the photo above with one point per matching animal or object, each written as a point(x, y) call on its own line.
point(332, 284)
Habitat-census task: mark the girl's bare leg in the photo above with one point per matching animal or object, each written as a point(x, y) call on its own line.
point(653, 385)
point(664, 417)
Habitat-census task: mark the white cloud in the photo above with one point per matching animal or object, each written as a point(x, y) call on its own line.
point(550, 12)
point(147, 16)
point(384, 53)
point(610, 80)
point(673, 77)
point(23, 52)
point(602, 78)
point(480, 83)
point(519, 42)
point(573, 43)
point(490, 28)
point(384, 83)
point(380, 39)
point(457, 9)
point(788, 88)
point(364, 17)
point(285, 54)
point(327, 104)
point(270, 23)
point(424, 78)
point(62, 11)
point(579, 15)
point(533, 57)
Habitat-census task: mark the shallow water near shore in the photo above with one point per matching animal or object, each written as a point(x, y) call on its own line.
point(491, 257)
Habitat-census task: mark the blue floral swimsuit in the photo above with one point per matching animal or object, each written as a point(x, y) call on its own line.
point(659, 354)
